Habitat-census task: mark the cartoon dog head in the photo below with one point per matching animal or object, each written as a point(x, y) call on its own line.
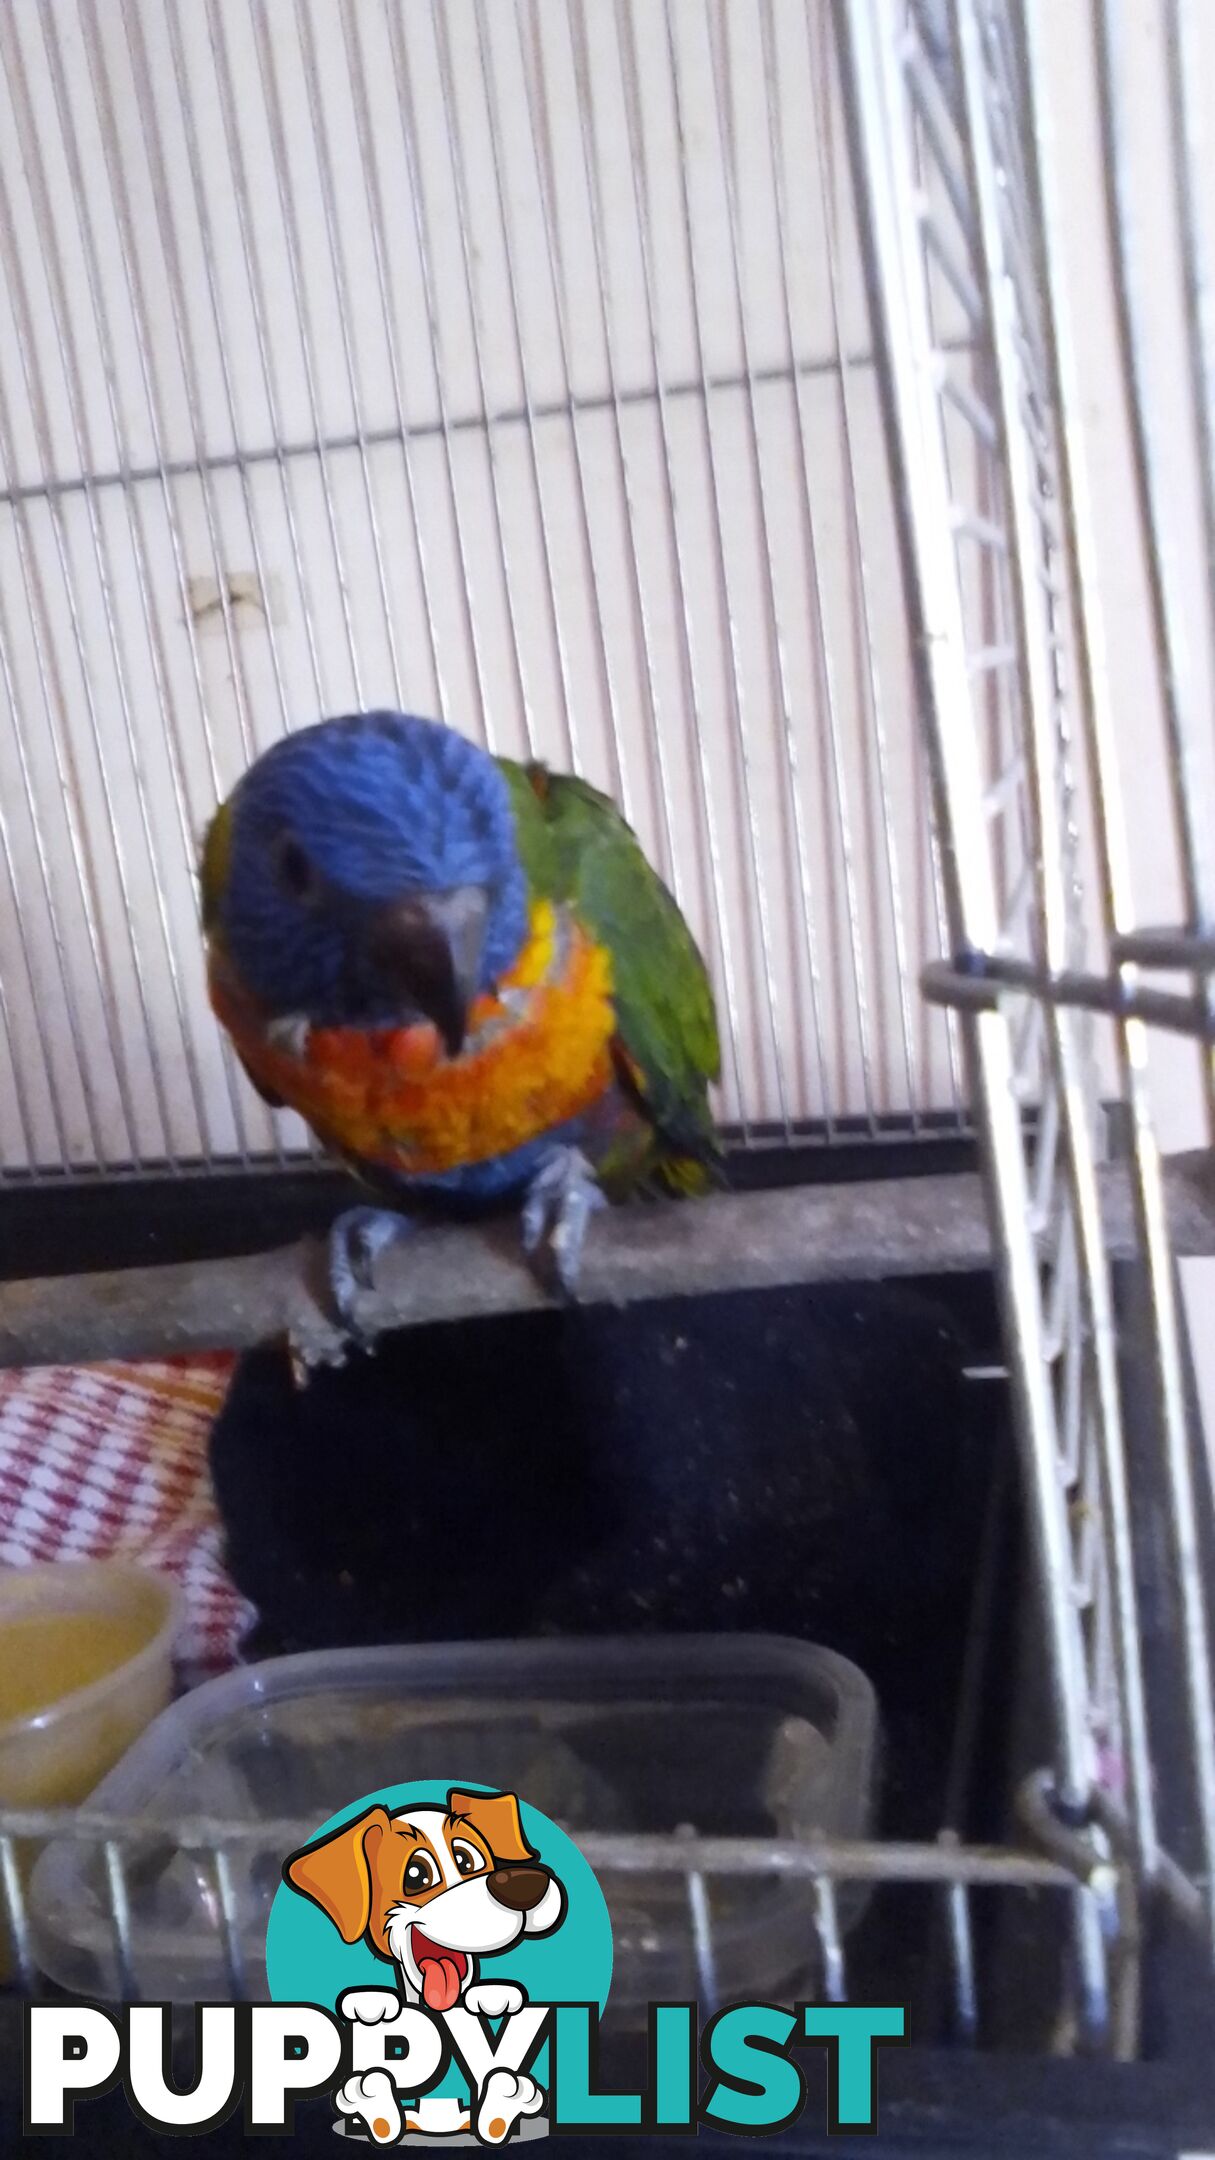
point(432, 1888)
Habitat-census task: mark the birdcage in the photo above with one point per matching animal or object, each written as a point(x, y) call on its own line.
point(688, 394)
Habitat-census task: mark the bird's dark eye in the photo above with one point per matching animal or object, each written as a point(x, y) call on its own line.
point(296, 873)
point(421, 1873)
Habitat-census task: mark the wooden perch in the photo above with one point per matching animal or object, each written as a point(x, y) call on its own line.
point(754, 1241)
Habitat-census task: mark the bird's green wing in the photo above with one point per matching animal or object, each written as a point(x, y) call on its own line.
point(576, 847)
point(212, 877)
point(213, 867)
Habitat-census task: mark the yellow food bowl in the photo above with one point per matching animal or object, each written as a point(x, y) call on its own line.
point(85, 1664)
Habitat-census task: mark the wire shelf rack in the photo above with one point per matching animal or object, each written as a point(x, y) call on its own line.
point(225, 1857)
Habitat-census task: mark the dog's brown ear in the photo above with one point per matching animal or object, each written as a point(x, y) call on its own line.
point(496, 1816)
point(336, 1872)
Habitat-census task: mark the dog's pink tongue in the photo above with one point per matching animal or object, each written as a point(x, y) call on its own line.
point(440, 1983)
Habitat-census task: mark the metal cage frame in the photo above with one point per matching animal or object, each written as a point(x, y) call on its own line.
point(950, 135)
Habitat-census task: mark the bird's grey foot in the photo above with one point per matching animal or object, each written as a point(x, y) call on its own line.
point(561, 1200)
point(356, 1240)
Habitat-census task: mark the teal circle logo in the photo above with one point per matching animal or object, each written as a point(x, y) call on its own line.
point(450, 1897)
point(308, 1959)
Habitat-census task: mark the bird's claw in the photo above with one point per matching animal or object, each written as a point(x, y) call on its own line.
point(356, 1240)
point(561, 1200)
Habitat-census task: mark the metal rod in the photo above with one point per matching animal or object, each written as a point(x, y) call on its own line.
point(1147, 1169)
point(830, 1941)
point(1185, 716)
point(19, 918)
point(987, 659)
point(671, 861)
point(880, 122)
point(17, 1913)
point(535, 88)
point(150, 110)
point(692, 700)
point(149, 119)
point(1190, 146)
point(775, 633)
point(794, 787)
point(272, 105)
point(1188, 950)
point(70, 793)
point(54, 918)
point(935, 118)
point(568, 701)
point(955, 273)
point(825, 132)
point(970, 525)
point(709, 1991)
point(962, 1960)
point(242, 198)
point(874, 705)
point(973, 410)
point(347, 314)
point(229, 1927)
point(767, 1138)
point(420, 221)
point(872, 698)
point(1070, 1054)
point(120, 1919)
point(203, 465)
point(1186, 1898)
point(169, 728)
point(353, 32)
point(334, 441)
point(712, 463)
point(440, 29)
point(258, 317)
point(994, 973)
point(625, 1853)
point(21, 1102)
point(1003, 793)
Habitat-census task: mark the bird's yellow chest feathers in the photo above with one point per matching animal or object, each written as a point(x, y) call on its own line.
point(538, 1054)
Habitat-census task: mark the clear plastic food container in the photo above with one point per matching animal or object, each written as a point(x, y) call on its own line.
point(722, 1735)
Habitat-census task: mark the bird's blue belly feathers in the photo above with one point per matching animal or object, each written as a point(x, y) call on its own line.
point(474, 1187)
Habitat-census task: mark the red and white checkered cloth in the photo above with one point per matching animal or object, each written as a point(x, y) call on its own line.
point(110, 1461)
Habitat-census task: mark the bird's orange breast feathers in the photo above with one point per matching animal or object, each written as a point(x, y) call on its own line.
point(538, 1054)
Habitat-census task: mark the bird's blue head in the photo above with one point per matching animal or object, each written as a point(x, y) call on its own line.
point(372, 875)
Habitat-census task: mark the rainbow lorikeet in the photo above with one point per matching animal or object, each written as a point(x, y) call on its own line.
point(465, 975)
